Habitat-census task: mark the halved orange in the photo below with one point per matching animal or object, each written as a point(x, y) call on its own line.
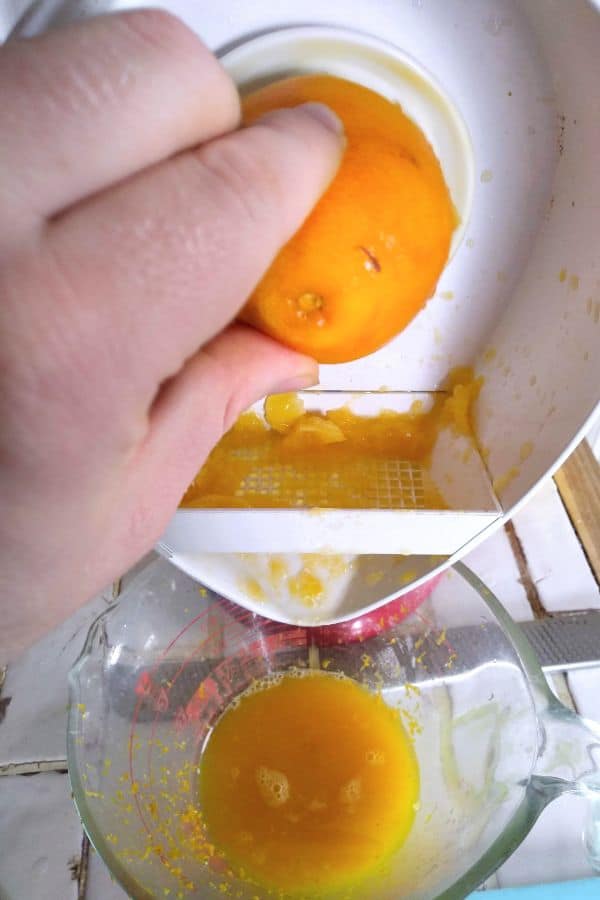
point(370, 254)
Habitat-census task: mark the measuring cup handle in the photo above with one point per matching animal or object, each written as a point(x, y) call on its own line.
point(570, 763)
point(591, 834)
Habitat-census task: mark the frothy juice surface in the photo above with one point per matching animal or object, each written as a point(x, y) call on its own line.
point(308, 783)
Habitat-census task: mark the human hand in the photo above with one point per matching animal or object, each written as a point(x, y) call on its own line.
point(125, 250)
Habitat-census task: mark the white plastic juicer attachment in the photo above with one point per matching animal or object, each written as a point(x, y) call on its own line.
point(495, 133)
point(390, 512)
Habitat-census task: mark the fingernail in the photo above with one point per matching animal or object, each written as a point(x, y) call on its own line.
point(297, 383)
point(325, 116)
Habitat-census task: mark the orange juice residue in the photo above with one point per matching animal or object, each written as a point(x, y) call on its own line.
point(278, 571)
point(332, 459)
point(463, 389)
point(316, 460)
point(308, 783)
point(306, 587)
point(334, 564)
point(253, 588)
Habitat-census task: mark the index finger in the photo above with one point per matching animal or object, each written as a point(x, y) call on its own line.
point(162, 263)
point(85, 106)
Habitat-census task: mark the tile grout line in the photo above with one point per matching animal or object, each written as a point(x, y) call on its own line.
point(4, 701)
point(34, 767)
point(560, 680)
point(84, 857)
point(531, 592)
point(533, 598)
point(83, 867)
point(570, 693)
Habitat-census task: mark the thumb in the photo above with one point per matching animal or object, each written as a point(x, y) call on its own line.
point(195, 408)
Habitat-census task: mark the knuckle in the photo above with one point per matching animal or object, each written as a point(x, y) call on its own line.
point(161, 30)
point(244, 180)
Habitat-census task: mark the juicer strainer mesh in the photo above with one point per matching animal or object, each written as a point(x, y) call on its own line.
point(366, 484)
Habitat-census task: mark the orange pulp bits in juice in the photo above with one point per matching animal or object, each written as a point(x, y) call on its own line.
point(308, 783)
point(370, 254)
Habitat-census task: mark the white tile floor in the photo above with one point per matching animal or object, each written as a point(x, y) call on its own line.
point(100, 885)
point(585, 690)
point(34, 727)
point(494, 562)
point(36, 812)
point(555, 558)
point(41, 838)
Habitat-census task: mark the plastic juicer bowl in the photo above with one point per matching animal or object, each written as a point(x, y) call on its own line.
point(494, 746)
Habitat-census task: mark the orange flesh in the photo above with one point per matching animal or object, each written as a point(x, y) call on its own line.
point(308, 784)
point(371, 252)
point(298, 458)
point(287, 459)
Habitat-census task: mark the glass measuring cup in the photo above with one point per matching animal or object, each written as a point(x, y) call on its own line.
point(494, 745)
